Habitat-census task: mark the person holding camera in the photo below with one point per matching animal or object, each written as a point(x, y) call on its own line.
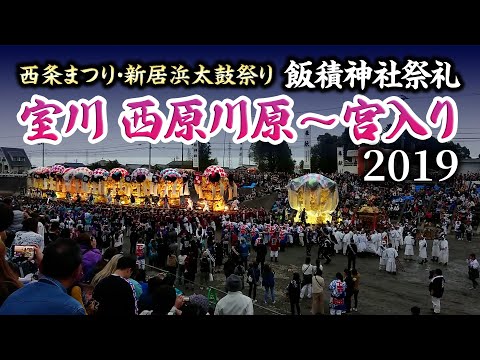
point(60, 268)
point(8, 278)
point(29, 235)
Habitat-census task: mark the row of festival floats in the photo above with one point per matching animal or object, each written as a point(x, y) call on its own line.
point(214, 187)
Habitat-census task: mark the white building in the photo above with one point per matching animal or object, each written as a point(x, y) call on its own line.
point(468, 166)
point(347, 162)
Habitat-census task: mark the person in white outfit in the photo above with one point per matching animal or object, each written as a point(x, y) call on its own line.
point(381, 252)
point(346, 240)
point(422, 250)
point(301, 235)
point(395, 238)
point(435, 250)
point(391, 255)
point(376, 239)
point(443, 257)
point(307, 270)
point(408, 246)
point(400, 229)
point(339, 244)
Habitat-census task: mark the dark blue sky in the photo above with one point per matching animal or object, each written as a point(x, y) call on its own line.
point(465, 59)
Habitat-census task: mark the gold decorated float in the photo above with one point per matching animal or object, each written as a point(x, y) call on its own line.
point(212, 187)
point(315, 193)
point(115, 186)
point(369, 216)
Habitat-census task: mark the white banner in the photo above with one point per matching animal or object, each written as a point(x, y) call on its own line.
point(195, 155)
point(306, 150)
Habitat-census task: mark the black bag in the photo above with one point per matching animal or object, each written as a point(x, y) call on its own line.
point(307, 279)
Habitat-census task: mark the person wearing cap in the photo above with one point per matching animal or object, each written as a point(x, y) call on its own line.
point(409, 241)
point(234, 303)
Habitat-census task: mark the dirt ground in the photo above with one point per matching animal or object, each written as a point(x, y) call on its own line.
point(380, 293)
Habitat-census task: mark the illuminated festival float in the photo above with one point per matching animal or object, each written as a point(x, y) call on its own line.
point(171, 184)
point(315, 193)
point(116, 185)
point(211, 187)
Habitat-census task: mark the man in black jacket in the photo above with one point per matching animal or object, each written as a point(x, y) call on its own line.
point(261, 250)
point(351, 254)
point(436, 288)
point(115, 294)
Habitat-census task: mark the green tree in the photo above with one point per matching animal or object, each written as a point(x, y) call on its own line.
point(204, 156)
point(301, 164)
point(324, 153)
point(273, 158)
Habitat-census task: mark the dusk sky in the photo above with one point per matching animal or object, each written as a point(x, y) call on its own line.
point(77, 148)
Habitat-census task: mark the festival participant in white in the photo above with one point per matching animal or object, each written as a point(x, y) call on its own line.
point(443, 258)
point(382, 253)
point(376, 239)
point(339, 237)
point(422, 250)
point(395, 238)
point(307, 271)
point(346, 240)
point(409, 246)
point(392, 255)
point(400, 229)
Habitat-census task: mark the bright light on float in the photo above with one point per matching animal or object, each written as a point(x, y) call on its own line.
point(226, 208)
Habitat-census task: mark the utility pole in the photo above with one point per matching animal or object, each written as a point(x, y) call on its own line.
point(229, 155)
point(182, 155)
point(224, 139)
point(43, 154)
point(149, 156)
point(240, 156)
